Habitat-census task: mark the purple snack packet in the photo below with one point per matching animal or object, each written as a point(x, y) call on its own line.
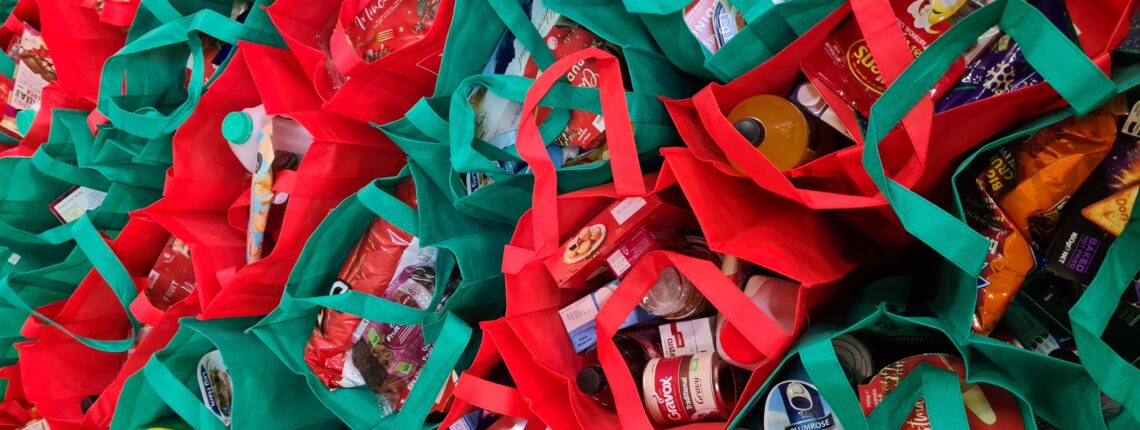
point(1002, 67)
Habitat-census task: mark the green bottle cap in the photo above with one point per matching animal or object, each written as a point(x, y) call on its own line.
point(24, 120)
point(237, 127)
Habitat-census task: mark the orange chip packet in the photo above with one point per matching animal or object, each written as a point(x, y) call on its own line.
point(1019, 195)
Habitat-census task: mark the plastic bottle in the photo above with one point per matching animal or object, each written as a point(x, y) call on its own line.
point(243, 130)
point(591, 380)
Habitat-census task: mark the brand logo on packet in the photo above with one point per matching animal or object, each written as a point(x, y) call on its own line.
point(863, 67)
point(666, 399)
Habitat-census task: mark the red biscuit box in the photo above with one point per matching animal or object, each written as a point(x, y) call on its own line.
point(582, 256)
point(641, 242)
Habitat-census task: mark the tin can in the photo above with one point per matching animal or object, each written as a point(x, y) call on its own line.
point(690, 388)
point(796, 405)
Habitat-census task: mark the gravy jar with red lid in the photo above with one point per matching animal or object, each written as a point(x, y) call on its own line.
point(690, 388)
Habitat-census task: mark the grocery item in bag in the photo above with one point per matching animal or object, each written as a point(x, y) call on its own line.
point(844, 63)
point(690, 388)
point(987, 406)
point(1018, 196)
point(782, 132)
point(497, 118)
point(385, 26)
point(214, 382)
point(795, 403)
point(369, 269)
point(591, 379)
point(388, 357)
point(262, 196)
point(578, 317)
point(1102, 206)
point(1002, 67)
point(172, 278)
point(34, 70)
point(699, 18)
point(583, 255)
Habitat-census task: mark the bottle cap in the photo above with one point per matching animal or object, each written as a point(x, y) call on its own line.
point(591, 380)
point(24, 120)
point(237, 127)
point(751, 129)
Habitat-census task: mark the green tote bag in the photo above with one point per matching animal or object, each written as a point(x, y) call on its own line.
point(153, 63)
point(881, 310)
point(965, 250)
point(771, 26)
point(423, 131)
point(265, 393)
point(464, 245)
point(479, 25)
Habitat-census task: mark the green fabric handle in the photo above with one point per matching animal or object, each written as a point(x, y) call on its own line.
point(185, 403)
point(454, 335)
point(388, 206)
point(116, 277)
point(1063, 65)
point(471, 155)
point(513, 15)
point(425, 118)
point(940, 387)
point(1090, 316)
point(148, 122)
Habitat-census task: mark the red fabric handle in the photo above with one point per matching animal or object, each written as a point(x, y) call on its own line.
point(892, 53)
point(492, 397)
point(626, 168)
point(764, 334)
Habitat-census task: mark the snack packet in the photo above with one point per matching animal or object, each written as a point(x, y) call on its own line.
point(1017, 197)
point(388, 357)
point(844, 63)
point(385, 26)
point(261, 192)
point(1002, 67)
point(368, 269)
point(172, 278)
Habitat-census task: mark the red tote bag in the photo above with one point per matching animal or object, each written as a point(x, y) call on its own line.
point(206, 198)
point(543, 362)
point(917, 155)
point(380, 91)
point(95, 312)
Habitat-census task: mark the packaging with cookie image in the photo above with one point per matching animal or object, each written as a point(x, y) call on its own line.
point(1096, 215)
point(581, 260)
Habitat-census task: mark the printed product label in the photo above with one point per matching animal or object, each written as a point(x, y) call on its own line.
point(76, 203)
point(797, 405)
point(688, 337)
point(682, 389)
point(626, 209)
point(214, 382)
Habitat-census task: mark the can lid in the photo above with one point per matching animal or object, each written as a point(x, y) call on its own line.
point(591, 380)
point(237, 127)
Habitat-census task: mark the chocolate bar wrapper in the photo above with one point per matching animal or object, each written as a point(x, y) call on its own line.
point(1002, 66)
